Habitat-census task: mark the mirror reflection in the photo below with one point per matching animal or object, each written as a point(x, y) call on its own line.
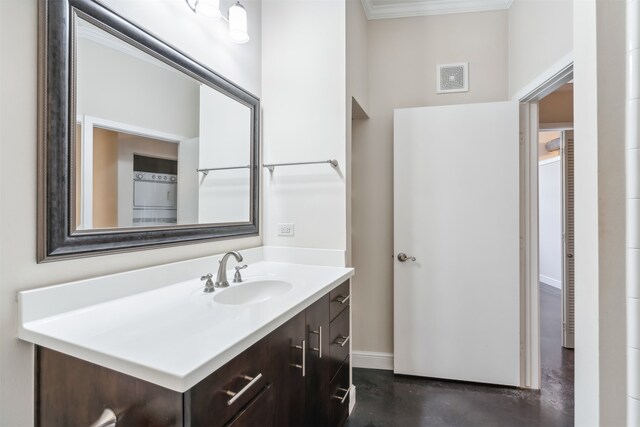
point(154, 146)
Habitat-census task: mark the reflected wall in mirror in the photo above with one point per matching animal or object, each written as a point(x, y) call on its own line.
point(131, 106)
point(158, 149)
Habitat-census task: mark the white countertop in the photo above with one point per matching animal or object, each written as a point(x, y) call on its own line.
point(176, 335)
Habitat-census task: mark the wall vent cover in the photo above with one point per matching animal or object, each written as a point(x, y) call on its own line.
point(453, 77)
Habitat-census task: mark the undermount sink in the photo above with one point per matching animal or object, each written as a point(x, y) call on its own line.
point(252, 292)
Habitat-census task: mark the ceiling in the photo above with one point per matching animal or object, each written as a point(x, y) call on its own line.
point(383, 9)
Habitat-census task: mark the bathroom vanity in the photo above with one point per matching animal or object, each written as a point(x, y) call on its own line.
point(269, 355)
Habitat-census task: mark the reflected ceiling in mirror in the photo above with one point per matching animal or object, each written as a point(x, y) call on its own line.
point(154, 146)
point(140, 145)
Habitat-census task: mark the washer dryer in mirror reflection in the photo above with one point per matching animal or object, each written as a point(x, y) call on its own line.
point(154, 198)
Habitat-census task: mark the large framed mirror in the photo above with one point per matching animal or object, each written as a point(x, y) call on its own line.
point(140, 145)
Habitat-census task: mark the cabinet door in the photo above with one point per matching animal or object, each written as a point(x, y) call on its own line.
point(287, 345)
point(73, 392)
point(318, 375)
point(258, 412)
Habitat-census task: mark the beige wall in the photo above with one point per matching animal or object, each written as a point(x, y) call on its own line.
point(600, 367)
point(540, 35)
point(402, 59)
point(556, 108)
point(357, 94)
point(18, 154)
point(543, 138)
point(105, 178)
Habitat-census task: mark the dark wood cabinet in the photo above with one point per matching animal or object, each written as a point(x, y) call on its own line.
point(298, 375)
point(287, 346)
point(72, 392)
point(317, 384)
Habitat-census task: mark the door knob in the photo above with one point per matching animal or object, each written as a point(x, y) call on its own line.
point(402, 257)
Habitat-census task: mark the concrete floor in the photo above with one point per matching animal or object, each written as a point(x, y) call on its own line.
point(384, 399)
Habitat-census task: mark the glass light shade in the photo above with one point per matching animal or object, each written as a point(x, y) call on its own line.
point(209, 8)
point(238, 23)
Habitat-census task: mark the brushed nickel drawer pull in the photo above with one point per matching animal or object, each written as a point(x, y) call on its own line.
point(319, 348)
point(342, 299)
point(108, 418)
point(236, 396)
point(302, 347)
point(344, 341)
point(343, 398)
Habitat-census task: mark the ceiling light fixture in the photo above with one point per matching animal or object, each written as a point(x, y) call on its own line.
point(237, 17)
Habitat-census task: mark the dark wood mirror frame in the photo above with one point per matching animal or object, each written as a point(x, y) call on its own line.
point(57, 237)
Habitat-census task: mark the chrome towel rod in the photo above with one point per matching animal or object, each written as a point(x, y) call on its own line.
point(207, 170)
point(272, 166)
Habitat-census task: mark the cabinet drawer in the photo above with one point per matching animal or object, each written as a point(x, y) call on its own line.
point(339, 337)
point(340, 389)
point(340, 299)
point(258, 412)
point(223, 394)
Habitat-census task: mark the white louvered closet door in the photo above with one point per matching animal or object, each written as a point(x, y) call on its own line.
point(568, 301)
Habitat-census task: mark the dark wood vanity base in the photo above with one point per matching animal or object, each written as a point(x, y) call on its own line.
point(298, 375)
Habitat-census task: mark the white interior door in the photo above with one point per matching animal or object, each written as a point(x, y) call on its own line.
point(456, 210)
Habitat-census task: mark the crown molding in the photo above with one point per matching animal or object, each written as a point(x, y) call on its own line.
point(402, 9)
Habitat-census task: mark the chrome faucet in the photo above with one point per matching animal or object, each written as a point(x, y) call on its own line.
point(221, 278)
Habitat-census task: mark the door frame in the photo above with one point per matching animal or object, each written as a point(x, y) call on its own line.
point(549, 81)
point(89, 122)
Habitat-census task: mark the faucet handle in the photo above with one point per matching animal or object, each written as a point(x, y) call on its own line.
point(237, 278)
point(208, 287)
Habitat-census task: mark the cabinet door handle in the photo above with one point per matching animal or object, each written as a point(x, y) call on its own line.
point(343, 398)
point(302, 347)
point(342, 340)
point(319, 348)
point(108, 418)
point(342, 299)
point(236, 396)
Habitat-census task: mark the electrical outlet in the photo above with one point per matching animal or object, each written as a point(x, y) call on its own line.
point(285, 230)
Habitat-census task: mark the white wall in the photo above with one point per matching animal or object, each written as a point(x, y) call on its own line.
point(304, 120)
point(171, 20)
point(633, 226)
point(550, 221)
point(540, 35)
point(115, 86)
point(402, 59)
point(225, 141)
point(600, 368)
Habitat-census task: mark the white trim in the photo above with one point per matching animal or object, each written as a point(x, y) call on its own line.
point(551, 160)
point(529, 271)
point(559, 73)
point(352, 398)
point(551, 281)
point(88, 123)
point(547, 82)
point(372, 360)
point(402, 9)
point(544, 127)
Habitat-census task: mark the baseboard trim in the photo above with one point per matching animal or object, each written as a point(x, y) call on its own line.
point(551, 281)
point(372, 360)
point(352, 398)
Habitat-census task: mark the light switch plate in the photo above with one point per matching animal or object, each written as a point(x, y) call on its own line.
point(285, 229)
